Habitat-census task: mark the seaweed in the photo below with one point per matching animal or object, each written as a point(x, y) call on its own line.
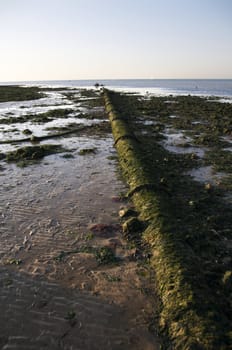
point(19, 93)
point(86, 151)
point(31, 154)
point(90, 93)
point(186, 223)
point(38, 118)
point(105, 255)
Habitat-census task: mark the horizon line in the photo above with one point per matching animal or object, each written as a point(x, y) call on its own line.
point(108, 79)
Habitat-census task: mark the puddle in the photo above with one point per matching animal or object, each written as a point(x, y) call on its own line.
point(175, 136)
point(42, 129)
point(227, 139)
point(223, 100)
point(171, 102)
point(148, 122)
point(206, 175)
point(184, 150)
point(177, 142)
point(229, 149)
point(197, 123)
point(53, 101)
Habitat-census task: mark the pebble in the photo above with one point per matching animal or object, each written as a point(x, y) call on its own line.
point(25, 240)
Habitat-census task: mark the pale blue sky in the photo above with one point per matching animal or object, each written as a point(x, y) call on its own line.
point(93, 39)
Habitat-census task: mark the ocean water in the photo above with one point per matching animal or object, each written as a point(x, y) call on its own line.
point(200, 87)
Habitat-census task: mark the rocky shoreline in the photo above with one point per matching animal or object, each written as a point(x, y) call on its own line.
point(186, 223)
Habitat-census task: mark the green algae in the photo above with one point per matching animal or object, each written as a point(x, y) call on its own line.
point(111, 278)
point(16, 262)
point(70, 315)
point(105, 256)
point(31, 154)
point(61, 257)
point(86, 151)
point(87, 130)
point(38, 118)
point(35, 139)
point(186, 240)
point(99, 130)
point(15, 130)
point(90, 93)
point(201, 118)
point(69, 127)
point(220, 159)
point(19, 93)
point(56, 113)
point(68, 156)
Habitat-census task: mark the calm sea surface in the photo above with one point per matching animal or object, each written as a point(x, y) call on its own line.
point(205, 87)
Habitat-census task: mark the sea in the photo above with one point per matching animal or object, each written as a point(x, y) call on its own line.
point(162, 87)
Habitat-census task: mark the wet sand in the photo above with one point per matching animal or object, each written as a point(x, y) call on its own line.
point(54, 292)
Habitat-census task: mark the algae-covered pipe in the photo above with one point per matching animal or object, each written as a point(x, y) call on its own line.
point(188, 324)
point(126, 143)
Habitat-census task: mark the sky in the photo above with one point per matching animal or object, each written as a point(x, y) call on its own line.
point(115, 39)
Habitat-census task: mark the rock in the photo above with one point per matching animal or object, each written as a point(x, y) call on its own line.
point(34, 138)
point(227, 279)
point(25, 240)
point(126, 212)
point(27, 132)
point(132, 227)
point(85, 286)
